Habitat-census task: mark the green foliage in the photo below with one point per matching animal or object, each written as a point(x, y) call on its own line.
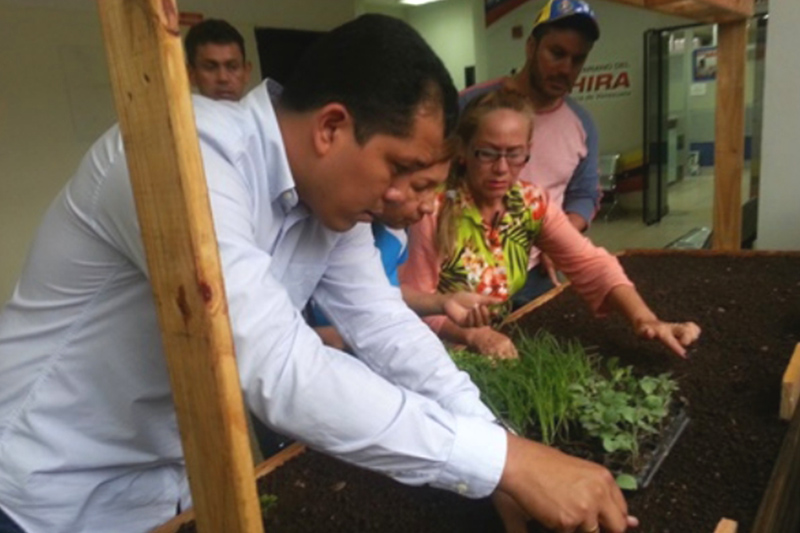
point(627, 482)
point(620, 409)
point(557, 384)
point(268, 502)
point(534, 390)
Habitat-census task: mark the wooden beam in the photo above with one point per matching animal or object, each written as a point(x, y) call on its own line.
point(729, 142)
point(710, 11)
point(265, 468)
point(740, 9)
point(151, 93)
point(790, 388)
point(726, 526)
point(779, 512)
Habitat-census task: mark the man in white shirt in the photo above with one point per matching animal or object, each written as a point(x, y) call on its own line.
point(88, 438)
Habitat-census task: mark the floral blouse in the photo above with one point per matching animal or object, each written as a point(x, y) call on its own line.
point(492, 259)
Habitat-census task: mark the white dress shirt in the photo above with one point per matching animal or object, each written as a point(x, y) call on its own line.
point(88, 436)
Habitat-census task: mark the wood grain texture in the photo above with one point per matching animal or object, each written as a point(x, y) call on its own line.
point(790, 387)
point(729, 142)
point(152, 98)
point(263, 469)
point(726, 526)
point(779, 511)
point(710, 11)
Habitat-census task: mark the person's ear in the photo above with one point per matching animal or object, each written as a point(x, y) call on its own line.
point(331, 123)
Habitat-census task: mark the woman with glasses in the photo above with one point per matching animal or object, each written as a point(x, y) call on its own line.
point(480, 235)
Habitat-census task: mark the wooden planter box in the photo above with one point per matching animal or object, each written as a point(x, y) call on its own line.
point(778, 510)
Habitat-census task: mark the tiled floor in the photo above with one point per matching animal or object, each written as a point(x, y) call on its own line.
point(690, 206)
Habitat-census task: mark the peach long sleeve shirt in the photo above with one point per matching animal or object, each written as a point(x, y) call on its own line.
point(591, 269)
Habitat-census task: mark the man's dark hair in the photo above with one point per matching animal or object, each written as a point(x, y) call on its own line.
point(578, 23)
point(211, 31)
point(380, 69)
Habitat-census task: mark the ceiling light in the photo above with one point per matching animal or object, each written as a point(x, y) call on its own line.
point(416, 2)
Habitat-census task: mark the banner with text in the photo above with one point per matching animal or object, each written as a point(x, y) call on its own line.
point(603, 81)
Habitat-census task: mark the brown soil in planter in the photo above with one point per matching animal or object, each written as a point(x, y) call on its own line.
point(749, 309)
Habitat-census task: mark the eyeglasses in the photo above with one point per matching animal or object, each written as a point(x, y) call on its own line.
point(514, 158)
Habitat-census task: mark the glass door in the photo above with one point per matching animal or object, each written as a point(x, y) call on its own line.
point(655, 130)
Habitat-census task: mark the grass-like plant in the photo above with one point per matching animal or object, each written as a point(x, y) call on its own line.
point(556, 384)
point(534, 391)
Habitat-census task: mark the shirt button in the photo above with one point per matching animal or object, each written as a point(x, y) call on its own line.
point(462, 488)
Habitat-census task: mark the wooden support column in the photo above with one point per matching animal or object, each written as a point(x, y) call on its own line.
point(729, 143)
point(726, 526)
point(790, 388)
point(779, 512)
point(151, 92)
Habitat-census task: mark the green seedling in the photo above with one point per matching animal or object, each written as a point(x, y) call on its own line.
point(620, 409)
point(555, 385)
point(627, 482)
point(268, 502)
point(534, 391)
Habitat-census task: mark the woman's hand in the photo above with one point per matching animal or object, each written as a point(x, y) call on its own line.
point(487, 341)
point(468, 309)
point(675, 335)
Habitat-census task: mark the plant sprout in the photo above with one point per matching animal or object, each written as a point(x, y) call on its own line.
point(555, 385)
point(534, 391)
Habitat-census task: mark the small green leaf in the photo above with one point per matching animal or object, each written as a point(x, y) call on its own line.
point(648, 385)
point(627, 482)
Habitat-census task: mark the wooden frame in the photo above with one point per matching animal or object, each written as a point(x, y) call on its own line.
point(777, 513)
point(152, 98)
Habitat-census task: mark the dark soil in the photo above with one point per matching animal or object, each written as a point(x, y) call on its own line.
point(749, 309)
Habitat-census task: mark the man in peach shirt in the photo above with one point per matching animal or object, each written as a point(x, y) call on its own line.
point(564, 153)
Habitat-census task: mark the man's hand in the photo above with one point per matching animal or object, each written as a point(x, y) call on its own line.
point(469, 310)
point(487, 341)
point(675, 335)
point(515, 520)
point(562, 492)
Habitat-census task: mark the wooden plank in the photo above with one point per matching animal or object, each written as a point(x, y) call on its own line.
point(667, 252)
point(790, 389)
point(151, 93)
point(729, 142)
point(267, 467)
point(779, 512)
point(726, 526)
point(534, 304)
point(710, 11)
point(739, 9)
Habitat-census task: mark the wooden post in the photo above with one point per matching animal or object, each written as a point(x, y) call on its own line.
point(726, 526)
point(151, 92)
point(729, 143)
point(790, 388)
point(779, 512)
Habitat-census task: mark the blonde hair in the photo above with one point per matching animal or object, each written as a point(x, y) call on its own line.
point(470, 120)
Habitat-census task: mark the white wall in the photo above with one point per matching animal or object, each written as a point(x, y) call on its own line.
point(448, 28)
point(778, 213)
point(55, 97)
point(54, 100)
point(621, 28)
